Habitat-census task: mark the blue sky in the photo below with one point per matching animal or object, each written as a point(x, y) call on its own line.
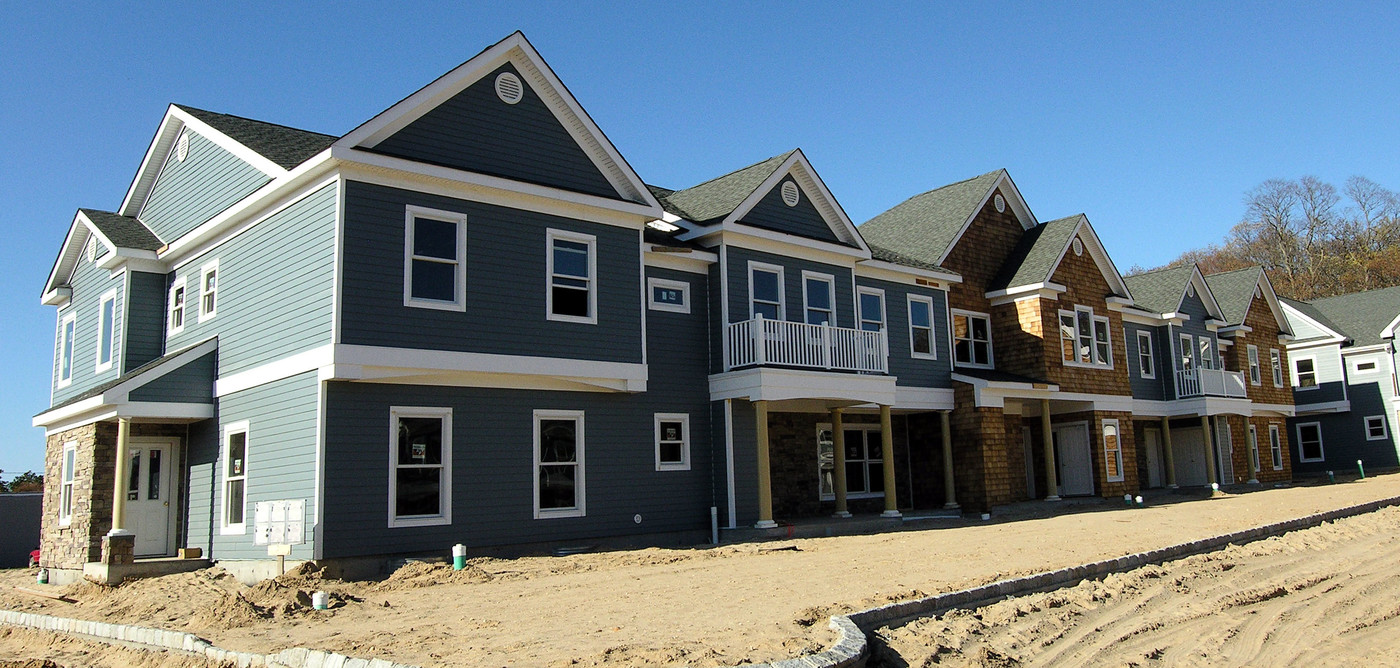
point(1154, 121)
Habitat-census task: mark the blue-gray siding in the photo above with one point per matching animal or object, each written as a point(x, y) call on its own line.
point(476, 131)
point(912, 372)
point(803, 220)
point(275, 287)
point(89, 283)
point(192, 383)
point(793, 308)
point(145, 318)
point(506, 283)
point(1327, 364)
point(188, 193)
point(20, 515)
point(745, 426)
point(1158, 387)
point(493, 469)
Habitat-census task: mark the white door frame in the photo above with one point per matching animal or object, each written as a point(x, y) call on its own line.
point(169, 481)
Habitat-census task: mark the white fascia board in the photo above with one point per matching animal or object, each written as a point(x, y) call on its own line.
point(248, 155)
point(292, 365)
point(1234, 330)
point(1291, 313)
point(777, 243)
point(1298, 346)
point(1321, 408)
point(923, 398)
point(398, 376)
point(801, 170)
point(418, 362)
point(1139, 318)
point(113, 402)
point(982, 383)
point(56, 415)
point(1373, 348)
point(697, 262)
point(1275, 306)
point(772, 384)
point(1044, 286)
point(165, 410)
point(67, 254)
point(151, 163)
point(1099, 254)
point(898, 273)
point(995, 397)
point(1207, 297)
point(1389, 331)
point(1016, 201)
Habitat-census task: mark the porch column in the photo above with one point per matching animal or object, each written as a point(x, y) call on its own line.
point(949, 493)
point(765, 482)
point(838, 467)
point(887, 456)
point(120, 482)
point(1167, 451)
point(1052, 485)
point(1211, 478)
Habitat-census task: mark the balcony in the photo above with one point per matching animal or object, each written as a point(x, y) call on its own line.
point(765, 342)
point(1210, 383)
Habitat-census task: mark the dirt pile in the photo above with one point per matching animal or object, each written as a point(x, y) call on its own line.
point(418, 574)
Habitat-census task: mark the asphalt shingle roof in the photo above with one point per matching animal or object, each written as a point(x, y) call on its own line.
point(1035, 255)
point(879, 252)
point(124, 231)
point(1160, 291)
point(1359, 315)
point(288, 147)
point(144, 368)
point(925, 225)
point(1234, 291)
point(712, 200)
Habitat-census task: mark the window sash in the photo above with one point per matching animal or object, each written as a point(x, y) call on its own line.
point(208, 290)
point(1146, 364)
point(872, 310)
point(921, 336)
point(971, 346)
point(176, 322)
point(1255, 373)
point(1188, 359)
point(1206, 359)
point(1254, 447)
point(572, 293)
point(1276, 446)
point(435, 247)
point(1309, 437)
point(765, 296)
point(1276, 362)
point(555, 476)
point(67, 477)
point(1375, 427)
point(1085, 339)
point(816, 290)
point(234, 470)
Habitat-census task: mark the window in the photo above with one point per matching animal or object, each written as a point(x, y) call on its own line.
point(434, 270)
point(1304, 373)
point(1309, 441)
point(573, 268)
point(667, 295)
point(67, 327)
point(235, 486)
point(1276, 364)
point(1084, 339)
point(1206, 357)
point(1254, 448)
point(1375, 427)
point(65, 495)
point(765, 291)
point(1187, 360)
point(1362, 367)
point(1112, 452)
point(559, 464)
point(176, 322)
point(1145, 359)
point(872, 309)
point(1276, 446)
point(819, 296)
point(672, 442)
point(208, 290)
point(420, 466)
point(972, 339)
point(865, 477)
point(921, 339)
point(106, 330)
point(1255, 377)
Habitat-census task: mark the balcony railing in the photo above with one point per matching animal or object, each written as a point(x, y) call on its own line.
point(1209, 383)
point(762, 341)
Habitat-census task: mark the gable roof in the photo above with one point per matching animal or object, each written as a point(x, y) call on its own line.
point(1041, 249)
point(121, 235)
point(119, 231)
point(1362, 316)
point(286, 146)
point(927, 226)
point(712, 201)
point(1161, 291)
point(1234, 291)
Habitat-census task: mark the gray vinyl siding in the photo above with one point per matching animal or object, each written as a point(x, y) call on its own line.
point(1196, 327)
point(281, 461)
point(186, 194)
point(478, 132)
point(745, 462)
point(793, 307)
point(802, 220)
point(715, 308)
point(145, 319)
point(192, 383)
point(201, 464)
point(1343, 443)
point(506, 252)
point(1304, 330)
point(1157, 387)
point(912, 372)
point(89, 283)
point(275, 287)
point(493, 468)
point(1331, 380)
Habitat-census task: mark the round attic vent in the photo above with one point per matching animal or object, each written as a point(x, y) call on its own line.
point(509, 88)
point(1258, 291)
point(999, 203)
point(91, 249)
point(182, 147)
point(791, 195)
point(1078, 247)
point(1190, 290)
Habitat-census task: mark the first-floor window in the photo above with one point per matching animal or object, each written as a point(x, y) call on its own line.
point(864, 460)
point(1309, 442)
point(1112, 451)
point(1254, 447)
point(1375, 427)
point(972, 339)
point(559, 489)
point(235, 470)
point(65, 500)
point(1304, 373)
point(1276, 446)
point(66, 329)
point(921, 343)
point(672, 442)
point(420, 463)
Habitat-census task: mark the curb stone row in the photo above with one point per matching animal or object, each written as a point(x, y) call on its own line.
point(852, 647)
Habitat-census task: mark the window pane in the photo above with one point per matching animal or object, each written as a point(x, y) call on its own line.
point(418, 492)
point(962, 350)
point(818, 294)
point(855, 477)
point(557, 486)
point(153, 475)
point(557, 441)
point(919, 314)
point(210, 281)
point(769, 311)
point(66, 363)
point(981, 353)
point(420, 441)
point(133, 477)
point(434, 238)
point(235, 502)
point(668, 296)
point(960, 329)
point(570, 258)
point(570, 301)
point(979, 329)
point(434, 280)
point(871, 309)
point(69, 460)
point(237, 447)
point(765, 286)
point(672, 431)
point(105, 341)
point(921, 341)
point(671, 453)
point(877, 476)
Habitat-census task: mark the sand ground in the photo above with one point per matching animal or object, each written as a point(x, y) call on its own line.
point(704, 606)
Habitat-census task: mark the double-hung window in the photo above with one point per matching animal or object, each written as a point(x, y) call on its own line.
point(765, 291)
point(1276, 446)
point(1276, 362)
point(1304, 373)
point(1254, 447)
point(672, 441)
point(435, 271)
point(1188, 360)
point(1309, 442)
point(65, 494)
point(106, 331)
point(872, 309)
point(1207, 359)
point(1084, 338)
point(559, 479)
point(921, 339)
point(972, 339)
point(1255, 373)
point(573, 272)
point(175, 323)
point(819, 295)
point(67, 328)
point(1146, 366)
point(208, 290)
point(235, 483)
point(420, 466)
point(1375, 427)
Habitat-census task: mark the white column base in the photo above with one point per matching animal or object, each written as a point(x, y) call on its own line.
point(765, 524)
point(951, 506)
point(1052, 498)
point(842, 515)
point(1252, 481)
point(121, 532)
point(891, 513)
point(1172, 486)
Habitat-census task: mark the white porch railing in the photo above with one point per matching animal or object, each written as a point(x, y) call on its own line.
point(762, 341)
point(1209, 383)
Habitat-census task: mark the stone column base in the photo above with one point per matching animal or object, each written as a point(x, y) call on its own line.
point(118, 550)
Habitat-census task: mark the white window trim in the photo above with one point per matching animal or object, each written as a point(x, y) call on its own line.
point(1276, 366)
point(1095, 321)
point(109, 296)
point(782, 286)
point(860, 426)
point(952, 336)
point(67, 480)
point(861, 318)
point(240, 427)
point(1276, 439)
point(667, 284)
point(1151, 370)
point(1356, 363)
point(1296, 361)
point(1188, 346)
point(580, 497)
point(1298, 431)
point(592, 242)
point(411, 213)
point(1385, 429)
point(177, 286)
point(205, 293)
point(1254, 448)
point(684, 463)
point(444, 479)
point(1118, 433)
point(66, 347)
point(1256, 372)
point(932, 354)
point(1205, 356)
point(830, 293)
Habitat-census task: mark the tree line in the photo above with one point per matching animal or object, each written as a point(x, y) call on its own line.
point(1313, 239)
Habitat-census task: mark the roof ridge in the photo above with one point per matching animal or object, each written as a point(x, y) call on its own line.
point(736, 171)
point(187, 108)
point(1159, 270)
point(942, 187)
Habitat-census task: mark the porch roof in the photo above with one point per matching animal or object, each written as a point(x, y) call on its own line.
point(178, 386)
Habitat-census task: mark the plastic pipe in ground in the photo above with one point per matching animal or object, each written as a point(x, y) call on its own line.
point(459, 557)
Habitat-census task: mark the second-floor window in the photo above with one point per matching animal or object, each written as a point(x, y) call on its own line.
point(1255, 375)
point(1276, 361)
point(921, 343)
point(872, 309)
point(208, 290)
point(435, 260)
point(1145, 364)
point(972, 339)
point(1188, 361)
point(66, 329)
point(176, 322)
point(1084, 338)
point(106, 331)
point(573, 268)
point(1207, 359)
point(765, 291)
point(1304, 373)
point(819, 294)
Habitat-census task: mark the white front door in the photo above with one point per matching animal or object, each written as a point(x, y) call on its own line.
point(148, 496)
point(1153, 448)
point(1072, 460)
point(1189, 451)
